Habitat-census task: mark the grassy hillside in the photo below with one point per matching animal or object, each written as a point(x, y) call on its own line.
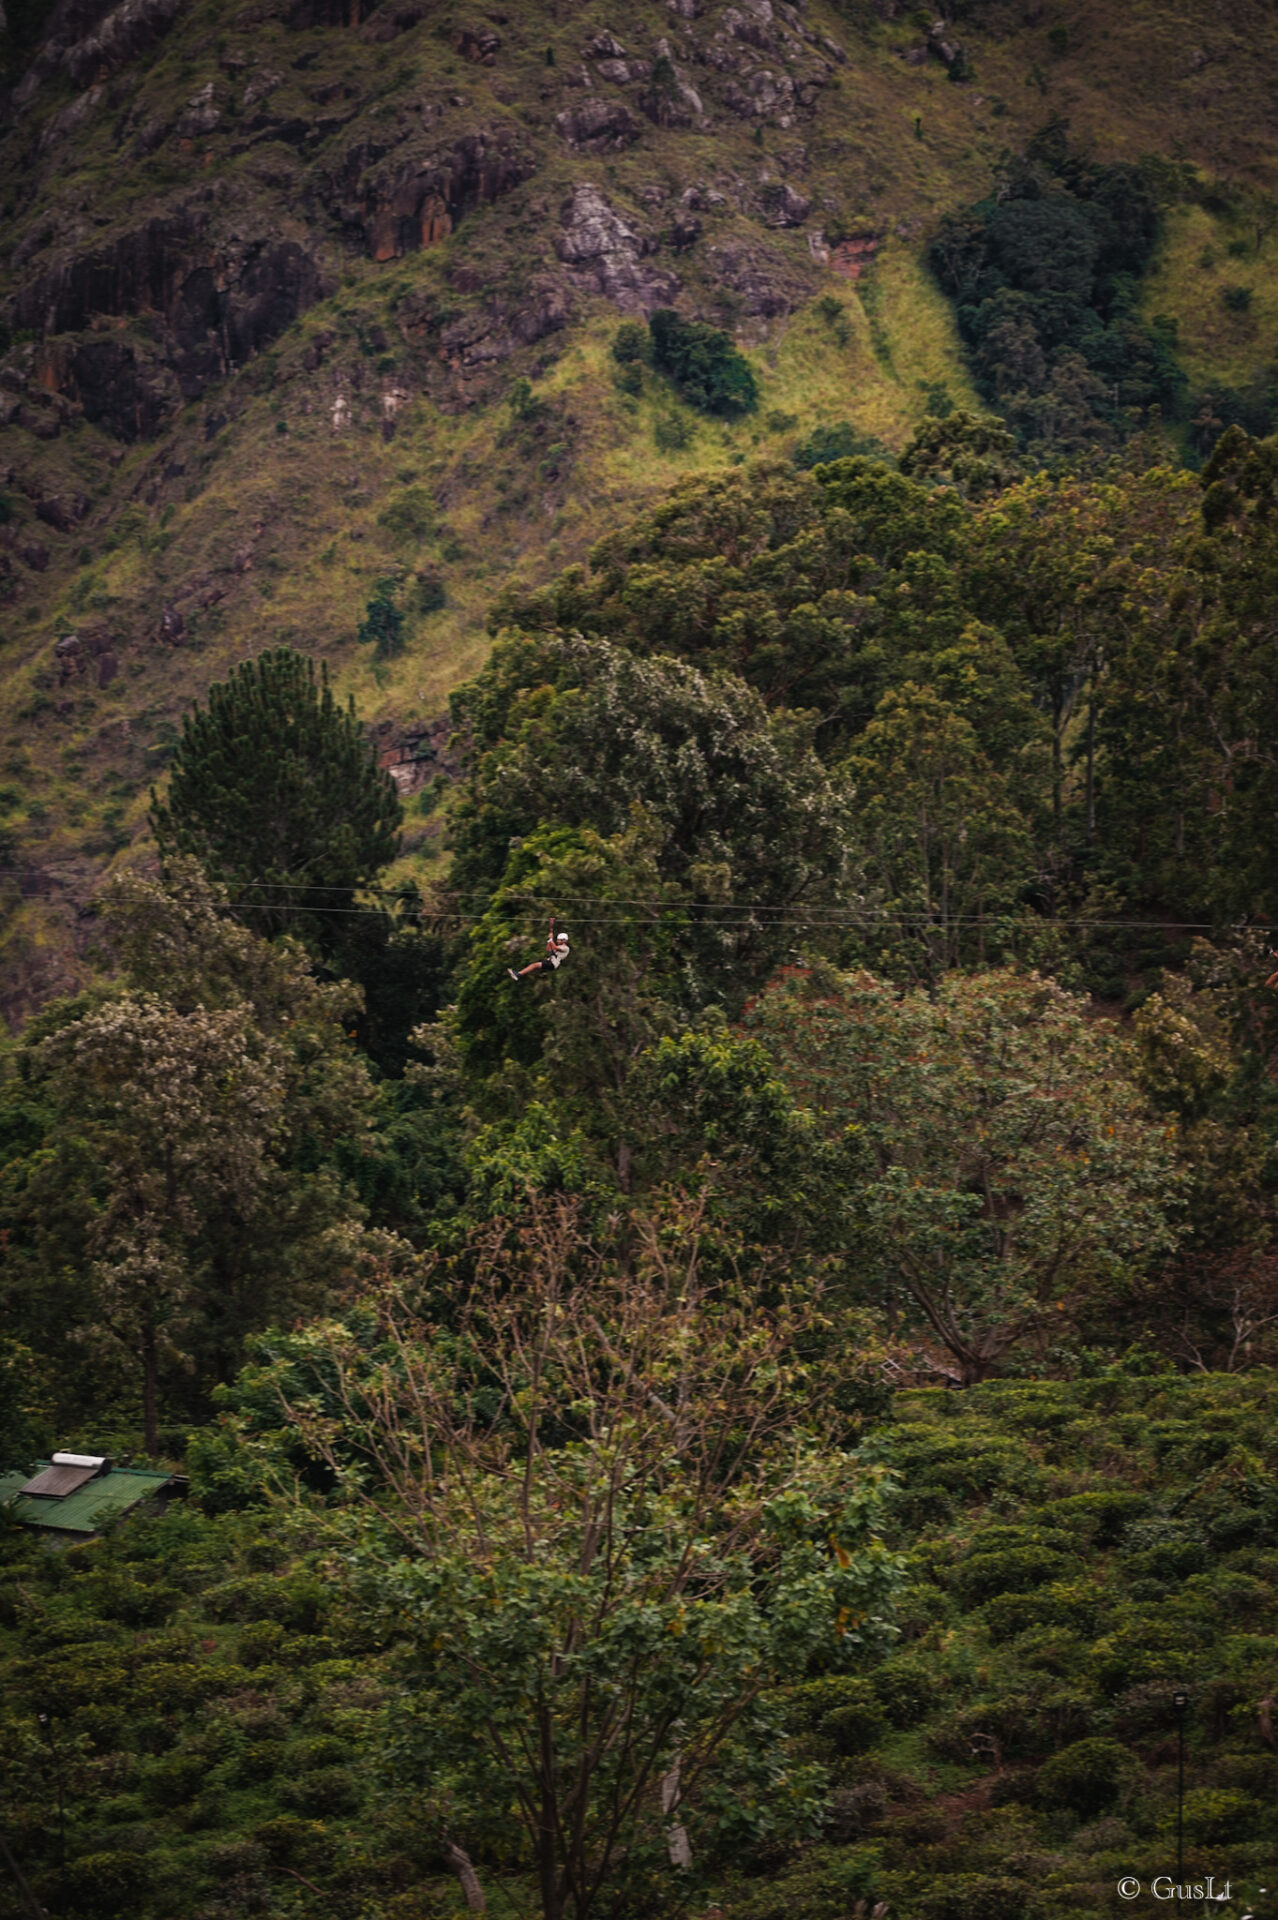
point(237, 489)
point(1076, 1554)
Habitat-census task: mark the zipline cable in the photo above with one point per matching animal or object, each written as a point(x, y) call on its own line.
point(764, 915)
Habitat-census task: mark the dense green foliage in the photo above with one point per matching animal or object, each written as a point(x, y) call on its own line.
point(561, 1321)
point(224, 1721)
point(273, 788)
point(710, 373)
point(1045, 276)
point(383, 622)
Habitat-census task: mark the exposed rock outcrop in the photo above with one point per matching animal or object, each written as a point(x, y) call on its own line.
point(477, 42)
point(609, 254)
point(669, 100)
point(489, 334)
point(414, 752)
point(209, 306)
point(781, 205)
point(128, 30)
point(91, 650)
point(597, 125)
point(766, 284)
point(67, 119)
point(417, 202)
point(947, 49)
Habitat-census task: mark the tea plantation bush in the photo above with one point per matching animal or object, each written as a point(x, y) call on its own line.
point(227, 1727)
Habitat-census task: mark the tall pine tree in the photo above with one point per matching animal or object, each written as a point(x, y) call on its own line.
point(277, 793)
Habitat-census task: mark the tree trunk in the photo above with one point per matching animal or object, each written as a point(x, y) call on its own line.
point(548, 1875)
point(1091, 764)
point(460, 1862)
point(552, 1905)
point(150, 1418)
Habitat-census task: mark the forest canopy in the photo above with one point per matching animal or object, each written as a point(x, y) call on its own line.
point(580, 1332)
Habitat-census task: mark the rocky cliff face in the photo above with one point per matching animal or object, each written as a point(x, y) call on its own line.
point(188, 281)
point(300, 296)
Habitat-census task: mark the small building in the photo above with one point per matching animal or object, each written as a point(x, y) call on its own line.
point(74, 1495)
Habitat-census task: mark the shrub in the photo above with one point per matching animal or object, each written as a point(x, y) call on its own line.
point(1015, 1570)
point(840, 1709)
point(630, 344)
point(1100, 1518)
point(992, 1731)
point(703, 364)
point(174, 1685)
point(383, 622)
point(320, 1750)
point(299, 1602)
point(291, 1842)
point(224, 1476)
point(672, 432)
point(965, 1464)
point(826, 1885)
point(260, 1643)
point(921, 1605)
point(1087, 1777)
point(410, 515)
point(1062, 1604)
point(106, 1883)
point(326, 1791)
point(1169, 1561)
point(841, 441)
point(1144, 1709)
point(1216, 1815)
point(1141, 1649)
point(526, 405)
point(1233, 1525)
point(132, 1603)
point(1237, 299)
point(907, 1690)
point(178, 1776)
point(976, 1896)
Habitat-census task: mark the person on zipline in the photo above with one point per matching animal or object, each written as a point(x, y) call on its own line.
point(556, 954)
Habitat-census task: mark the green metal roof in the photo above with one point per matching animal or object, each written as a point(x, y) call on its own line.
point(90, 1506)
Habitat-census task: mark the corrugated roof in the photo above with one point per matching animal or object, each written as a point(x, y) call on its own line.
point(90, 1506)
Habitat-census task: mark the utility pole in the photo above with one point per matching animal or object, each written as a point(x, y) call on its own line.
point(1180, 1702)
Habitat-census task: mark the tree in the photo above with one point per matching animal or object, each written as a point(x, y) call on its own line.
point(740, 817)
point(971, 451)
point(1044, 275)
point(811, 587)
point(191, 1113)
point(1011, 1168)
point(383, 622)
point(584, 1505)
point(178, 1114)
point(703, 364)
point(1204, 1056)
point(277, 793)
point(944, 843)
point(1067, 570)
point(1189, 717)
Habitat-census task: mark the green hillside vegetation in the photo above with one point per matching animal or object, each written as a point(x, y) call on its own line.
point(914, 1031)
point(230, 1730)
point(769, 1415)
point(267, 509)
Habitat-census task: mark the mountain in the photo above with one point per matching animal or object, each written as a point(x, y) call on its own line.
point(304, 299)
